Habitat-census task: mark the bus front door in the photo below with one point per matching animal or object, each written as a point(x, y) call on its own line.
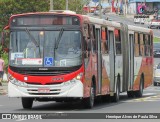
point(112, 61)
point(99, 60)
point(131, 61)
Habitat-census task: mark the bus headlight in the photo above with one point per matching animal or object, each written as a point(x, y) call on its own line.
point(79, 76)
point(10, 77)
point(71, 82)
point(74, 80)
point(67, 83)
point(16, 82)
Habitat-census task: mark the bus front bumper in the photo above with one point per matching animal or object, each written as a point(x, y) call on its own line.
point(62, 90)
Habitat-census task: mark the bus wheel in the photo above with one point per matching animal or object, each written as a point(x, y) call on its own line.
point(89, 102)
point(155, 84)
point(115, 98)
point(27, 103)
point(130, 94)
point(139, 93)
point(106, 98)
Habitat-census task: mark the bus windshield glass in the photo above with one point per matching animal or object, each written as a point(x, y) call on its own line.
point(60, 48)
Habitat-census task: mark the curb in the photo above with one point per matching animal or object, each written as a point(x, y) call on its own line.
point(157, 36)
point(3, 92)
point(3, 89)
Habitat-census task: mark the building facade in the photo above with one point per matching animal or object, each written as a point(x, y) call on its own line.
point(138, 6)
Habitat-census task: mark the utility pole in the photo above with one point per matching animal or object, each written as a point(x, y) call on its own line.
point(66, 4)
point(51, 4)
point(125, 8)
point(100, 9)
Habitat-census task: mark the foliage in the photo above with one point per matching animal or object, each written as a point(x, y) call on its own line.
point(9, 7)
point(4, 57)
point(155, 39)
point(76, 5)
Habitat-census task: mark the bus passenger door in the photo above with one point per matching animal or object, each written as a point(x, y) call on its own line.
point(131, 60)
point(99, 60)
point(112, 60)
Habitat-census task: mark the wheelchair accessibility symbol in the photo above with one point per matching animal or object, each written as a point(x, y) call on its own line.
point(48, 61)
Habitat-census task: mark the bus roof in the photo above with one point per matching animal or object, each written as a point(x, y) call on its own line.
point(139, 29)
point(88, 19)
point(60, 12)
point(101, 21)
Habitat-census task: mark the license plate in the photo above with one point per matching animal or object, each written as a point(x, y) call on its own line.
point(43, 90)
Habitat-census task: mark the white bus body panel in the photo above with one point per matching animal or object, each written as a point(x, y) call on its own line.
point(70, 90)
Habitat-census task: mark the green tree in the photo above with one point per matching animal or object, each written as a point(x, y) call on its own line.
point(76, 5)
point(4, 57)
point(9, 7)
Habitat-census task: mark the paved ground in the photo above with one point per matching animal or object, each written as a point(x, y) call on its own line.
point(3, 88)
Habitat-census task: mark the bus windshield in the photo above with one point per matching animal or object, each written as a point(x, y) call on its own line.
point(60, 48)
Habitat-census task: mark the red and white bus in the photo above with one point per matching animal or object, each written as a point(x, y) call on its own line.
point(64, 56)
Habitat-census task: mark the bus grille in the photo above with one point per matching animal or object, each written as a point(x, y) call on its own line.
point(46, 73)
point(39, 71)
point(52, 92)
point(29, 83)
point(47, 89)
point(34, 91)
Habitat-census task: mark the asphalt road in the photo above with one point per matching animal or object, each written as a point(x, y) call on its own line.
point(149, 103)
point(156, 61)
point(121, 18)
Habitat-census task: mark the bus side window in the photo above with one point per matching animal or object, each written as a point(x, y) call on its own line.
point(92, 37)
point(151, 44)
point(87, 41)
point(87, 31)
point(104, 42)
point(136, 45)
point(141, 39)
point(118, 41)
point(147, 45)
point(94, 41)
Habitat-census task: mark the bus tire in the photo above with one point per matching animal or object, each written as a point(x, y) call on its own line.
point(106, 98)
point(130, 94)
point(89, 102)
point(115, 98)
point(139, 93)
point(27, 103)
point(155, 84)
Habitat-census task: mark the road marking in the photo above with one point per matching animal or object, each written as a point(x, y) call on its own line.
point(148, 94)
point(147, 97)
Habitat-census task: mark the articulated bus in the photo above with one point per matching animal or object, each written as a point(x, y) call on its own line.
point(63, 56)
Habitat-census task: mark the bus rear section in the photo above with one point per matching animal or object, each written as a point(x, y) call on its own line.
point(140, 55)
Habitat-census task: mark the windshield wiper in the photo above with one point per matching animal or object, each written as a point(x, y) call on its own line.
point(59, 38)
point(33, 40)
